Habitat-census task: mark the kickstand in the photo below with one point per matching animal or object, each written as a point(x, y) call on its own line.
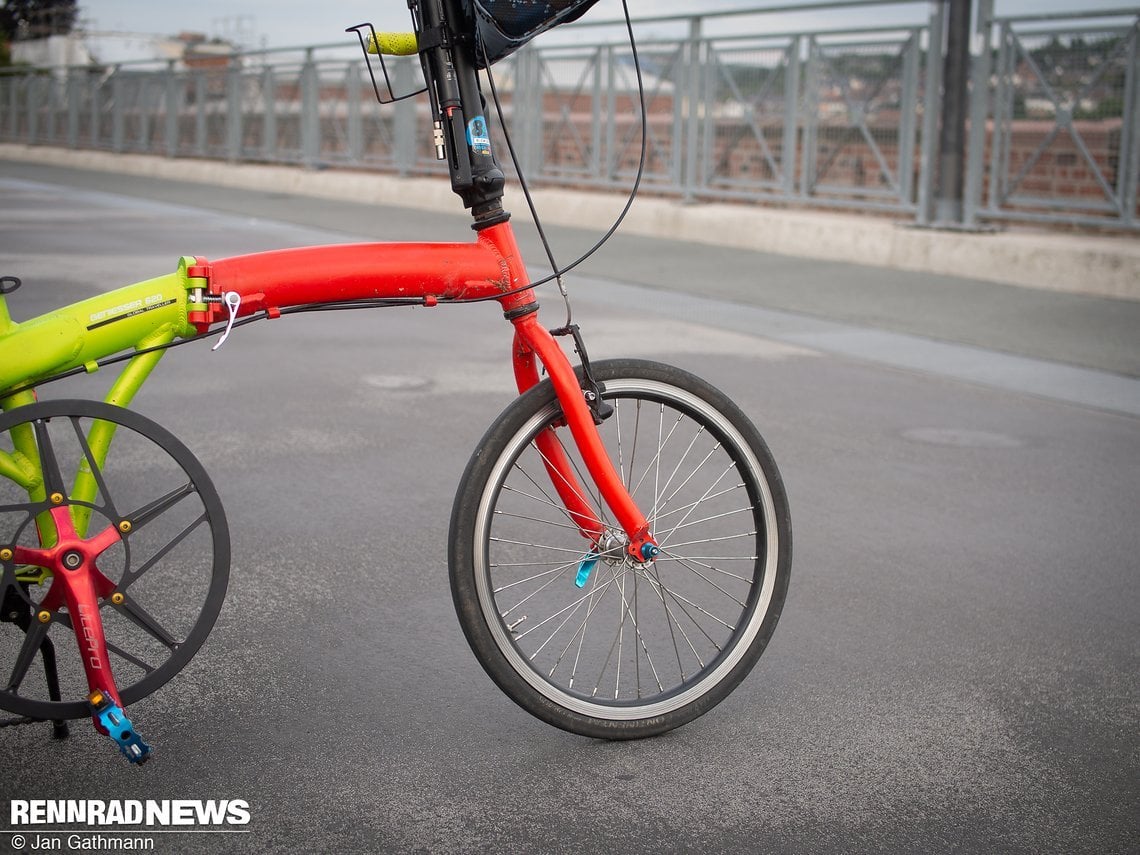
point(47, 651)
point(23, 619)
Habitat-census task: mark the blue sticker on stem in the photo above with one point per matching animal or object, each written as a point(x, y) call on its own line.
point(478, 139)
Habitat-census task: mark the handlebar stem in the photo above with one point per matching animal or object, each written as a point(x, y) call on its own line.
point(449, 66)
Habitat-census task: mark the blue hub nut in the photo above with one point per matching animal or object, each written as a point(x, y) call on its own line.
point(649, 551)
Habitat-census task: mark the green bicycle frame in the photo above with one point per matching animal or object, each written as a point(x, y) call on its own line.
point(140, 316)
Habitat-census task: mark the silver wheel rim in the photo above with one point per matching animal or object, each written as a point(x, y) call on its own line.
point(685, 404)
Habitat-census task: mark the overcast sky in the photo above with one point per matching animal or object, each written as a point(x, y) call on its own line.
point(282, 23)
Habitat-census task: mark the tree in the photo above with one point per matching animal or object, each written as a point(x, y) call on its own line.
point(37, 19)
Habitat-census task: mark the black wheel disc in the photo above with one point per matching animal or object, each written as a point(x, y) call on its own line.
point(169, 568)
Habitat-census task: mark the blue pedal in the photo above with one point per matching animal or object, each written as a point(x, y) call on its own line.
point(585, 568)
point(119, 727)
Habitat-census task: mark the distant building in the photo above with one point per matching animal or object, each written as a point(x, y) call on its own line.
point(187, 49)
point(51, 52)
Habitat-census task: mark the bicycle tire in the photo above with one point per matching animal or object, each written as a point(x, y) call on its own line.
point(696, 623)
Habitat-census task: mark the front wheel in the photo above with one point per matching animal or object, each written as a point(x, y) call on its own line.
point(578, 633)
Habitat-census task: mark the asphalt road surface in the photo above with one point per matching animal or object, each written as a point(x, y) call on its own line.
point(956, 666)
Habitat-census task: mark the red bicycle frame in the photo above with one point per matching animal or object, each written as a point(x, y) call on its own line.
point(489, 268)
point(219, 291)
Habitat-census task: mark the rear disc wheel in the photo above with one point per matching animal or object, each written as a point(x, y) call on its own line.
point(168, 566)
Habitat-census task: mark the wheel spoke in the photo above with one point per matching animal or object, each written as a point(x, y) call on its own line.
point(132, 576)
point(151, 511)
point(580, 634)
point(680, 603)
point(636, 434)
point(494, 565)
point(639, 638)
point(22, 507)
point(664, 556)
point(673, 626)
point(537, 520)
point(661, 443)
point(626, 612)
point(620, 450)
point(713, 539)
point(686, 601)
point(681, 509)
point(707, 492)
point(546, 546)
point(710, 582)
point(672, 622)
point(558, 629)
point(664, 539)
point(658, 502)
point(657, 465)
point(127, 656)
point(93, 466)
point(720, 516)
point(549, 500)
point(141, 618)
point(558, 613)
point(688, 559)
point(557, 573)
point(595, 498)
point(49, 465)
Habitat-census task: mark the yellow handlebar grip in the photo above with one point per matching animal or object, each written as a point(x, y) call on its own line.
point(393, 44)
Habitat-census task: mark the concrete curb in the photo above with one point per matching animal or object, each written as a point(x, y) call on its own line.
point(1077, 264)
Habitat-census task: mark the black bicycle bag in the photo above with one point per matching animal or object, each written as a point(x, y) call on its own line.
point(503, 26)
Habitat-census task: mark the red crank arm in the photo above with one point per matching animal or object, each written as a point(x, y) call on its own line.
point(78, 584)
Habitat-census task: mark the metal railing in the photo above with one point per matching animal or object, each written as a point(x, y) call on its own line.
point(1062, 140)
point(738, 109)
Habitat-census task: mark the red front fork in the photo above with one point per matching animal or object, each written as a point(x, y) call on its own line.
point(531, 339)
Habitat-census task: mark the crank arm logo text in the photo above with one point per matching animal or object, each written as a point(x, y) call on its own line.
point(129, 812)
point(92, 648)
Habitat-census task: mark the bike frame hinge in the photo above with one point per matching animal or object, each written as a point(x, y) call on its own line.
point(196, 270)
